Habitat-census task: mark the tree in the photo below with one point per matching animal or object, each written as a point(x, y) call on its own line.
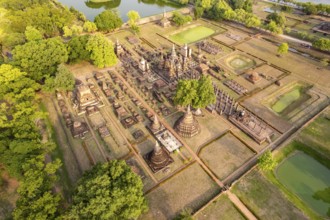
point(278, 18)
point(310, 8)
point(186, 92)
point(252, 21)
point(133, 17)
point(18, 111)
point(266, 161)
point(108, 191)
point(322, 44)
point(77, 49)
point(40, 58)
point(12, 39)
point(206, 4)
point(102, 51)
point(89, 27)
point(32, 34)
point(205, 93)
point(64, 80)
point(283, 49)
point(108, 21)
point(198, 12)
point(67, 32)
point(180, 19)
point(36, 201)
point(272, 26)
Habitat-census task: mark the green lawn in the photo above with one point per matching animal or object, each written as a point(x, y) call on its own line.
point(191, 35)
point(305, 177)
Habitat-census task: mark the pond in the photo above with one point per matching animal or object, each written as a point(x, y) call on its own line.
point(290, 100)
point(144, 7)
point(308, 179)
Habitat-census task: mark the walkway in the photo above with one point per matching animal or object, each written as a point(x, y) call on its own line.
point(295, 39)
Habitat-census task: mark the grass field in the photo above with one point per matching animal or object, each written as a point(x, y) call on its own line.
point(191, 35)
point(265, 199)
point(239, 62)
point(222, 208)
point(191, 188)
point(317, 134)
point(304, 176)
point(225, 155)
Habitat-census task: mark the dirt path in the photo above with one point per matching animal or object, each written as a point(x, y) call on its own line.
point(237, 202)
point(70, 160)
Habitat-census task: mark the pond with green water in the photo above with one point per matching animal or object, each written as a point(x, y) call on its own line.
point(290, 100)
point(191, 35)
point(308, 179)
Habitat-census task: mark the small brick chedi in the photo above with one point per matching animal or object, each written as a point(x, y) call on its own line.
point(158, 158)
point(187, 126)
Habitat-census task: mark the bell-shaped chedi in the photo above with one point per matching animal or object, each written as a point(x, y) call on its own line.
point(158, 158)
point(156, 126)
point(187, 126)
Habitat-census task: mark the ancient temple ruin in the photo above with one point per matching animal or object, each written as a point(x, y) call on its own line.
point(164, 22)
point(158, 158)
point(187, 126)
point(224, 104)
point(176, 65)
point(156, 126)
point(253, 77)
point(79, 129)
point(84, 98)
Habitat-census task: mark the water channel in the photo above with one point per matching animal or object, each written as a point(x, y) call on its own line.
point(144, 7)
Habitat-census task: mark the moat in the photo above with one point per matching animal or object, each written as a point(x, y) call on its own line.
point(145, 8)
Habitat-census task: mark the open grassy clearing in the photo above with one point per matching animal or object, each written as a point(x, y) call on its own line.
point(299, 65)
point(317, 134)
point(222, 208)
point(225, 155)
point(191, 35)
point(265, 199)
point(190, 188)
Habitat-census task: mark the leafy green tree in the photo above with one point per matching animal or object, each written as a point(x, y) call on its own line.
point(310, 8)
point(36, 200)
point(322, 44)
point(266, 161)
point(283, 49)
point(205, 93)
point(186, 92)
point(102, 51)
point(32, 34)
point(76, 29)
point(180, 19)
point(108, 191)
point(108, 21)
point(278, 18)
point(18, 111)
point(252, 21)
point(89, 27)
point(272, 26)
point(46, 18)
point(198, 12)
point(40, 58)
point(67, 32)
point(12, 39)
point(77, 49)
point(64, 80)
point(183, 2)
point(133, 17)
point(206, 4)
